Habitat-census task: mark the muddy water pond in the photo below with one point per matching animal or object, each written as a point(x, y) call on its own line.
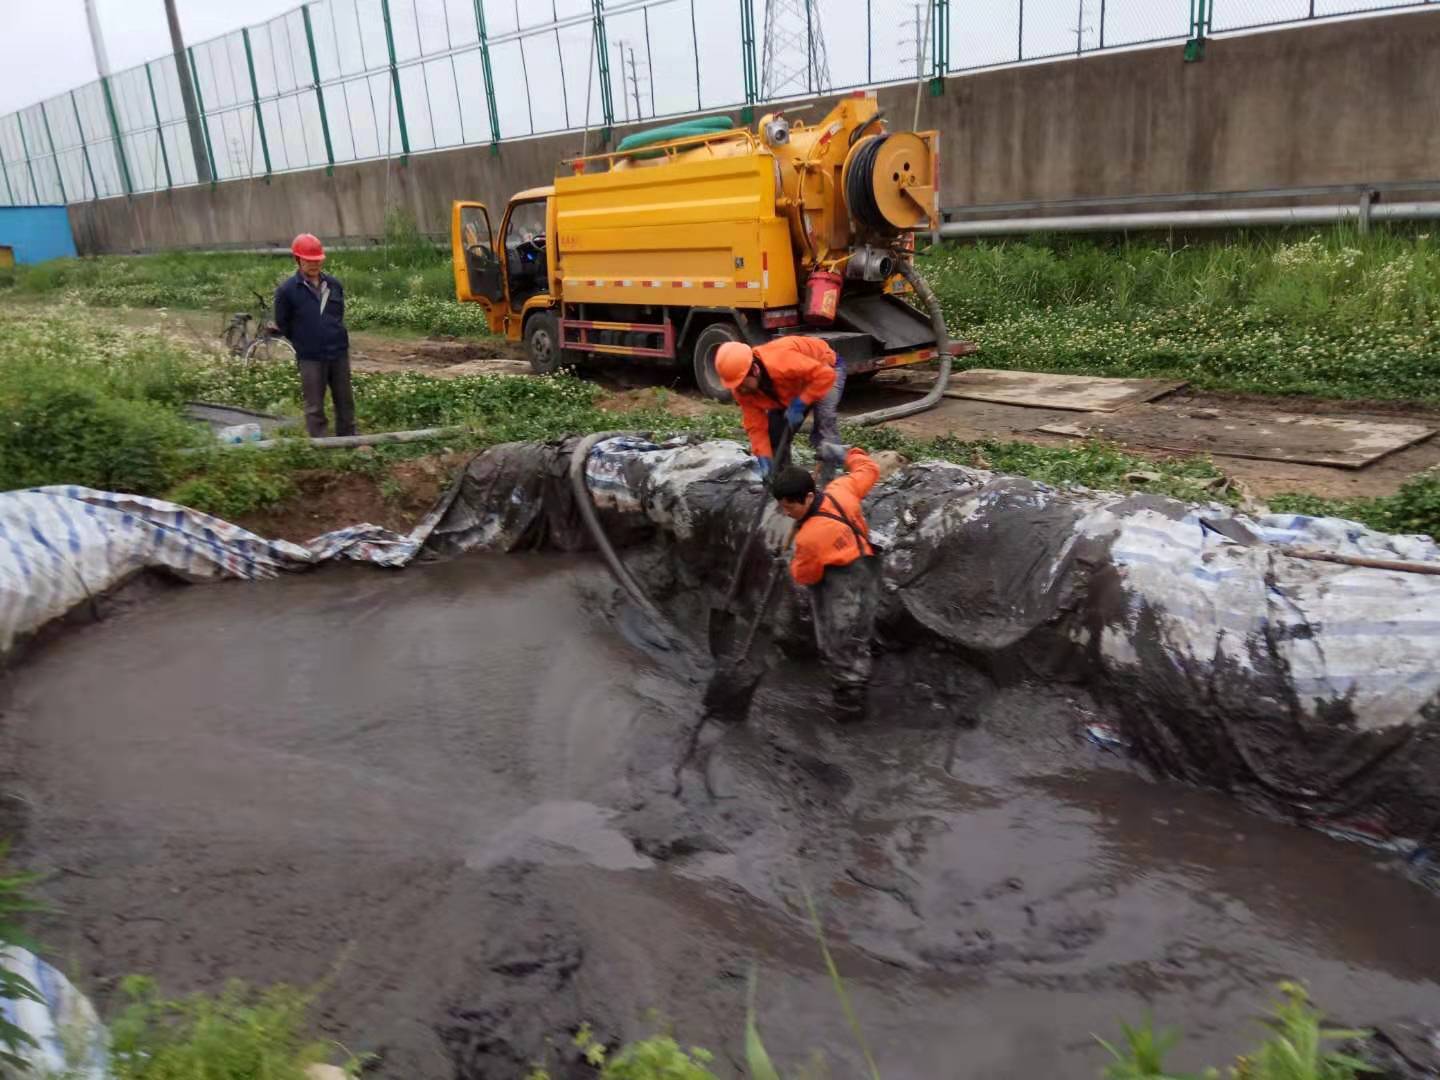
point(454, 795)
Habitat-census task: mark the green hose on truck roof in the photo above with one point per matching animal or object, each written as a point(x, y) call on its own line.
point(704, 125)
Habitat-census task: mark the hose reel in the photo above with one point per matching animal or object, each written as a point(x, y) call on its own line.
point(889, 183)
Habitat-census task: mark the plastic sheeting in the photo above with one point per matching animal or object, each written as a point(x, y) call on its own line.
point(70, 1040)
point(61, 547)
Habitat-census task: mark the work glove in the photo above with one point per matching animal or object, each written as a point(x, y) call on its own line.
point(831, 453)
point(766, 466)
point(795, 414)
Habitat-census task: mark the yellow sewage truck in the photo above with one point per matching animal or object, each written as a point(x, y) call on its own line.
point(692, 235)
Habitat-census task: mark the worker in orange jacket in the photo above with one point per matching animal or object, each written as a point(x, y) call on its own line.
point(836, 560)
point(776, 385)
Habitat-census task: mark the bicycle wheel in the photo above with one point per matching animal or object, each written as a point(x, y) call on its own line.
point(269, 349)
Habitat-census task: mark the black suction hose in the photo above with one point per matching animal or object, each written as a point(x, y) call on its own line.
point(942, 343)
point(586, 502)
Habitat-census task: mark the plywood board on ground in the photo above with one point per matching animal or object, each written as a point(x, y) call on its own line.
point(1311, 440)
point(1038, 390)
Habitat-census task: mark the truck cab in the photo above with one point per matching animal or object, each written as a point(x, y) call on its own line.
point(507, 273)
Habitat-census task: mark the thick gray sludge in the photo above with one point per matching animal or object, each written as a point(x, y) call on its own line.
point(1308, 688)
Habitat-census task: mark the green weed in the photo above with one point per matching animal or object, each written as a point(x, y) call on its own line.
point(1299, 1047)
point(240, 1034)
point(1332, 313)
point(1415, 508)
point(15, 903)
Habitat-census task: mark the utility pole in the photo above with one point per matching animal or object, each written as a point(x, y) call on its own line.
point(635, 84)
point(102, 67)
point(193, 120)
point(624, 97)
point(1080, 29)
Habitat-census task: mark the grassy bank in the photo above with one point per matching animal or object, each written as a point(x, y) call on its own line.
point(1332, 313)
point(83, 401)
point(403, 284)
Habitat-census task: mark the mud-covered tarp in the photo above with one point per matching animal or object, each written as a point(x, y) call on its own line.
point(1311, 686)
point(63, 546)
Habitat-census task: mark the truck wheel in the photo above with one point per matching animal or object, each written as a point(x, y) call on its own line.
point(542, 344)
point(709, 340)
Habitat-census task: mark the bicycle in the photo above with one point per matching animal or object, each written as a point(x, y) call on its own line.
point(264, 345)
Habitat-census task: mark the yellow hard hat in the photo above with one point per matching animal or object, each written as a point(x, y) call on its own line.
point(732, 363)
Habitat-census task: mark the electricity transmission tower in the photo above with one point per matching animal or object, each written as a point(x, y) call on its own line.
point(795, 60)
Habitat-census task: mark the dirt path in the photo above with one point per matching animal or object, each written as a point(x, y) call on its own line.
point(452, 794)
point(962, 418)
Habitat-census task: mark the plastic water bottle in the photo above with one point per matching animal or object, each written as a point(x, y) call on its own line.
point(240, 433)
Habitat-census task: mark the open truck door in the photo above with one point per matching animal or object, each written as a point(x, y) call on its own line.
point(479, 277)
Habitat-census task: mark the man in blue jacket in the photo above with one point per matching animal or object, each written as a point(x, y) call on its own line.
point(310, 311)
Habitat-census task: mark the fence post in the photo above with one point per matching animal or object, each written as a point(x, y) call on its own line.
point(319, 92)
point(869, 47)
point(84, 151)
point(159, 131)
point(602, 61)
point(5, 172)
point(395, 84)
point(255, 97)
point(489, 77)
point(747, 57)
point(939, 45)
point(115, 131)
point(809, 49)
point(1199, 24)
point(25, 149)
point(54, 154)
point(694, 40)
point(204, 120)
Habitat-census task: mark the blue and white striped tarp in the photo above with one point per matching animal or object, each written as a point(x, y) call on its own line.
point(60, 546)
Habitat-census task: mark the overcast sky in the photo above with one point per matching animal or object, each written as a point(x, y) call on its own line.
point(45, 50)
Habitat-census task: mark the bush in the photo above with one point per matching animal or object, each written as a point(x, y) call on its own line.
point(1330, 313)
point(242, 1034)
point(56, 429)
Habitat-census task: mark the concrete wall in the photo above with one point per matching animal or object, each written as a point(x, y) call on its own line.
point(1330, 103)
point(36, 233)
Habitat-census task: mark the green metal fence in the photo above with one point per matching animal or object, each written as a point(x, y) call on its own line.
point(338, 81)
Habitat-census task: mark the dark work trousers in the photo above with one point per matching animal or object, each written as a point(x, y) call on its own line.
point(826, 426)
point(316, 376)
point(844, 605)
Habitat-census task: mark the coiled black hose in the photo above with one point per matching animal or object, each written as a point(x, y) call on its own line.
point(860, 187)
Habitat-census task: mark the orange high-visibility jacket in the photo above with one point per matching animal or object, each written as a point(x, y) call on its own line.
point(799, 367)
point(822, 541)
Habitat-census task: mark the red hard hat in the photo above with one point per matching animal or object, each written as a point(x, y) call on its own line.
point(307, 246)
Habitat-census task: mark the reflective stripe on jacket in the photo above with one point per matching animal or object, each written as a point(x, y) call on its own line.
point(821, 541)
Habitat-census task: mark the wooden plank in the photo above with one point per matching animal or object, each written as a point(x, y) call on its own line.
point(1039, 390)
point(1309, 440)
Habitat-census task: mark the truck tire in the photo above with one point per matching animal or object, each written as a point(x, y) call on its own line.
point(706, 342)
point(542, 343)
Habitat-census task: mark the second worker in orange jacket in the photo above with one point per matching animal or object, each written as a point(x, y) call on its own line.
point(835, 558)
point(776, 385)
